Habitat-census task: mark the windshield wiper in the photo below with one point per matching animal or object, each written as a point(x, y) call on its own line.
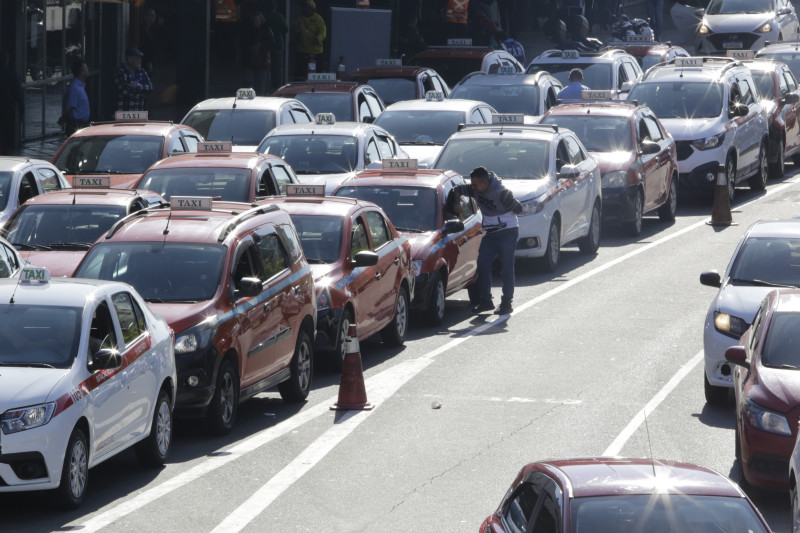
point(33, 365)
point(312, 261)
point(409, 230)
point(23, 246)
point(787, 366)
point(155, 300)
point(85, 245)
point(419, 143)
point(310, 172)
point(760, 283)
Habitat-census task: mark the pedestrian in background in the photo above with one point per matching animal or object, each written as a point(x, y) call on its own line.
point(499, 209)
point(277, 24)
point(75, 107)
point(257, 42)
point(132, 83)
point(511, 46)
point(575, 86)
point(655, 11)
point(11, 105)
point(309, 32)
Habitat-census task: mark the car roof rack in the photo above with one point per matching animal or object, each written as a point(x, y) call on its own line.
point(504, 127)
point(242, 217)
point(136, 214)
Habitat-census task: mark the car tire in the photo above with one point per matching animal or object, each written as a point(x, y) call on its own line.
point(394, 334)
point(745, 485)
point(436, 305)
point(776, 169)
point(730, 177)
point(714, 395)
point(591, 242)
point(74, 472)
point(297, 387)
point(635, 225)
point(552, 253)
point(794, 494)
point(225, 402)
point(666, 213)
point(758, 181)
point(154, 449)
point(337, 357)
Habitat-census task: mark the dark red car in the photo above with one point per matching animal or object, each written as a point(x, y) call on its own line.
point(651, 53)
point(397, 83)
point(766, 383)
point(619, 495)
point(347, 100)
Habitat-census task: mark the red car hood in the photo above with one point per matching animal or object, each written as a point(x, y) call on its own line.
point(611, 161)
point(420, 243)
point(59, 263)
point(180, 317)
point(118, 181)
point(778, 389)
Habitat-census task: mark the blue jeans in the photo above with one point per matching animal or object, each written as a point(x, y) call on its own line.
point(502, 244)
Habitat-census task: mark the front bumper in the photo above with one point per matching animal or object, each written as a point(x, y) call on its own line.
point(698, 180)
point(327, 329)
point(422, 291)
point(618, 203)
point(718, 371)
point(191, 401)
point(532, 239)
point(33, 459)
point(765, 457)
point(715, 43)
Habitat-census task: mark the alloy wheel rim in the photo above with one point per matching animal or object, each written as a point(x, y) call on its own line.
point(795, 510)
point(595, 229)
point(638, 213)
point(731, 176)
point(163, 428)
point(440, 299)
point(673, 197)
point(342, 336)
point(401, 315)
point(554, 246)
point(226, 397)
point(304, 366)
point(78, 468)
point(763, 166)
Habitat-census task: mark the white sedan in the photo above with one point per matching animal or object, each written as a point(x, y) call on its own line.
point(22, 178)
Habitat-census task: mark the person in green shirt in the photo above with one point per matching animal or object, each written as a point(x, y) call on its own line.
point(309, 35)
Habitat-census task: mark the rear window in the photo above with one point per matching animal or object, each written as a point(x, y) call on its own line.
point(113, 154)
point(340, 104)
point(765, 84)
point(240, 126)
point(393, 90)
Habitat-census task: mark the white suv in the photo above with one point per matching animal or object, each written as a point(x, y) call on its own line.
point(609, 70)
point(711, 108)
point(740, 24)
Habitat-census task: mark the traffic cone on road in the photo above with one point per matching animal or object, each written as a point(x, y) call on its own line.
point(352, 391)
point(721, 211)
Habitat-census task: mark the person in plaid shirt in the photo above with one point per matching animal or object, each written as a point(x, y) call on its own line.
point(132, 83)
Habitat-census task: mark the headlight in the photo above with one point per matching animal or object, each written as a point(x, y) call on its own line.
point(730, 325)
point(704, 30)
point(617, 178)
point(324, 299)
point(766, 28)
point(709, 142)
point(27, 417)
point(197, 337)
point(531, 207)
point(764, 419)
point(417, 266)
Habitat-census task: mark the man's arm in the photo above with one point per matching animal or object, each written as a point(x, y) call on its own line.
point(145, 85)
point(510, 203)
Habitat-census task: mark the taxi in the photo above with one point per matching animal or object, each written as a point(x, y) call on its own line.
point(348, 100)
point(245, 118)
point(361, 266)
point(10, 260)
point(550, 173)
point(55, 230)
point(649, 53)
point(86, 371)
point(123, 149)
point(395, 82)
point(637, 157)
point(218, 172)
point(786, 52)
point(607, 70)
point(422, 126)
point(509, 92)
point(22, 178)
point(459, 58)
point(444, 245)
point(328, 151)
point(231, 281)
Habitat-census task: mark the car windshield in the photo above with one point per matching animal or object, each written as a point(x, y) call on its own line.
point(663, 512)
point(792, 59)
point(240, 126)
point(314, 154)
point(39, 335)
point(411, 209)
point(649, 60)
point(765, 84)
point(728, 7)
point(5, 186)
point(160, 271)
point(64, 227)
point(598, 133)
point(321, 237)
point(228, 184)
point(340, 104)
point(677, 99)
point(115, 154)
point(771, 260)
point(393, 90)
point(421, 126)
point(504, 98)
point(783, 338)
point(596, 76)
point(509, 158)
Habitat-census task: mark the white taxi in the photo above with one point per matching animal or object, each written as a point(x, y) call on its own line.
point(22, 178)
point(86, 371)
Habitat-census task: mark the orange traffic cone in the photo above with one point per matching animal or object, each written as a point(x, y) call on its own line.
point(721, 211)
point(352, 392)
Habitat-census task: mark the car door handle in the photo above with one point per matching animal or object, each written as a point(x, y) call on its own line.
point(377, 275)
point(657, 159)
point(296, 289)
point(268, 305)
point(396, 260)
point(464, 239)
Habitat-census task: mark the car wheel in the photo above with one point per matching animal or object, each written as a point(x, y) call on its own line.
point(74, 472)
point(666, 212)
point(752, 491)
point(758, 182)
point(776, 169)
point(635, 225)
point(795, 496)
point(296, 388)
point(591, 242)
point(225, 402)
point(395, 331)
point(730, 177)
point(714, 395)
point(153, 450)
point(435, 311)
point(341, 346)
point(552, 253)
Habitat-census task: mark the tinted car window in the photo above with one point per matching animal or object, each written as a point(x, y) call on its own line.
point(129, 154)
point(340, 104)
point(240, 126)
point(782, 345)
point(321, 237)
point(595, 75)
point(409, 208)
point(509, 158)
point(679, 99)
point(230, 184)
point(393, 90)
point(764, 84)
point(768, 260)
point(790, 58)
point(5, 186)
point(725, 7)
point(377, 229)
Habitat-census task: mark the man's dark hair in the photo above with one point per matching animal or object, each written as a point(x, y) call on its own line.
point(576, 74)
point(77, 67)
point(479, 172)
point(501, 36)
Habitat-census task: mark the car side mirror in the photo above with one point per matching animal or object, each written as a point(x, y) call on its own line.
point(249, 287)
point(783, 11)
point(626, 87)
point(739, 110)
point(104, 359)
point(568, 172)
point(699, 13)
point(368, 119)
point(711, 278)
point(790, 98)
point(365, 258)
point(737, 355)
point(650, 147)
point(452, 226)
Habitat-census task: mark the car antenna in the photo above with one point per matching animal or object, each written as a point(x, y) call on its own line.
point(166, 228)
point(19, 278)
point(649, 444)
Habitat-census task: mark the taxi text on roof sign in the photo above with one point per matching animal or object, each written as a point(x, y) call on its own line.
point(399, 164)
point(570, 54)
point(508, 118)
point(31, 274)
point(321, 76)
point(741, 54)
point(688, 61)
point(459, 42)
point(597, 95)
point(214, 147)
point(434, 96)
point(506, 69)
point(305, 190)
point(638, 38)
point(130, 115)
point(91, 182)
point(202, 203)
point(245, 94)
point(388, 62)
point(325, 118)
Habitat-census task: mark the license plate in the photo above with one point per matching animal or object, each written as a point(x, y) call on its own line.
point(731, 44)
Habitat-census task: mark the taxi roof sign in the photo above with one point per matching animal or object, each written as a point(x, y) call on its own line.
point(508, 118)
point(30, 274)
point(299, 189)
point(434, 96)
point(121, 116)
point(388, 62)
point(688, 61)
point(570, 54)
point(638, 38)
point(325, 118)
point(209, 147)
point(91, 182)
point(506, 69)
point(321, 76)
point(741, 54)
point(459, 42)
point(597, 95)
point(198, 203)
point(399, 164)
point(245, 94)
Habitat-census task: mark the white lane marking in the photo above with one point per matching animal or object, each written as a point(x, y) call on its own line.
point(404, 373)
point(638, 419)
point(501, 399)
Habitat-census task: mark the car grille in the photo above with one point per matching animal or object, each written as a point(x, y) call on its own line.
point(684, 149)
point(718, 39)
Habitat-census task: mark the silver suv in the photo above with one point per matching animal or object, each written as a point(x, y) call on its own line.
point(609, 70)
